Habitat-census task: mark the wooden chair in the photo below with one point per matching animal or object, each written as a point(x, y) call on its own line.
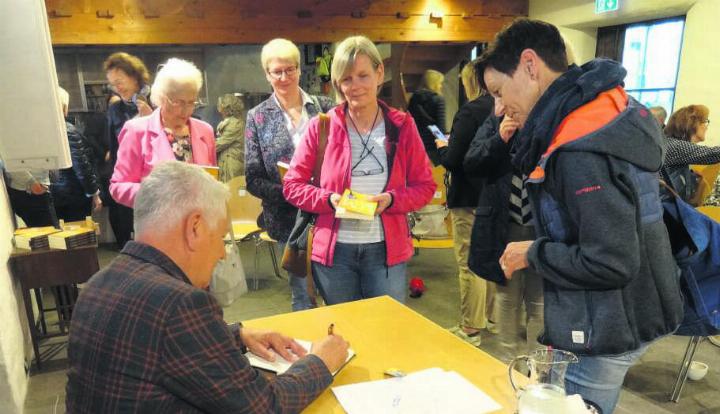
point(708, 175)
point(244, 209)
point(439, 198)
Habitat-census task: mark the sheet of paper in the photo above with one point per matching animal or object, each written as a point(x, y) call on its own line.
point(431, 391)
point(281, 364)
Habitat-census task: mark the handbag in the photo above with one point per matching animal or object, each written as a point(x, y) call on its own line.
point(228, 279)
point(298, 249)
point(429, 222)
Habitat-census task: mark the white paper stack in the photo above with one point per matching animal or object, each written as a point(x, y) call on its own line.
point(431, 391)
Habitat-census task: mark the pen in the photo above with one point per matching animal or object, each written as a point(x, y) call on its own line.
point(330, 328)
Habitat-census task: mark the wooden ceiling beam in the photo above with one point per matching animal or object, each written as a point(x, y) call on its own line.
point(242, 22)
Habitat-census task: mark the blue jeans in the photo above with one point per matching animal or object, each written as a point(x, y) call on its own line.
point(359, 271)
point(298, 288)
point(599, 378)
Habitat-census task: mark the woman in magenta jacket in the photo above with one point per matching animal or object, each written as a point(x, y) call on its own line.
point(169, 133)
point(371, 149)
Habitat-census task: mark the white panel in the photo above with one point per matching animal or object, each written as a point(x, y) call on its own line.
point(33, 133)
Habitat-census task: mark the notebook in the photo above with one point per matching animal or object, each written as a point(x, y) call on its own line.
point(281, 364)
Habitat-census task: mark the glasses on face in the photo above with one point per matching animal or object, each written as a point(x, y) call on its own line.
point(179, 103)
point(277, 74)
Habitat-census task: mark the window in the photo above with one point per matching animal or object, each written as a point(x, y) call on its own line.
point(651, 54)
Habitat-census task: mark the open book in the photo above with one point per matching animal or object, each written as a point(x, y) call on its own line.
point(354, 205)
point(281, 364)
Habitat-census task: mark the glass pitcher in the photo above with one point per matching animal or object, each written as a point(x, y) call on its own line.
point(546, 391)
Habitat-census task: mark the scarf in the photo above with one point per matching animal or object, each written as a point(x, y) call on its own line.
point(574, 88)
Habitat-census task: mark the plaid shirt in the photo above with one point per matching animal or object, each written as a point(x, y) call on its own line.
point(144, 340)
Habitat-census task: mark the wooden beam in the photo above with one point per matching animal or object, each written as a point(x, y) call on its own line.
point(399, 94)
point(242, 22)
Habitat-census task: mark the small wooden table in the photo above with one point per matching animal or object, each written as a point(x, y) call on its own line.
point(48, 268)
point(386, 334)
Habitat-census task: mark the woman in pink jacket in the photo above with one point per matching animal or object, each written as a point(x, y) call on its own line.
point(371, 149)
point(169, 133)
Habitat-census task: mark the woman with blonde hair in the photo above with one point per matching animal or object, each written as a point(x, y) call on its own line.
point(476, 294)
point(230, 143)
point(684, 130)
point(273, 131)
point(372, 149)
point(427, 107)
point(168, 133)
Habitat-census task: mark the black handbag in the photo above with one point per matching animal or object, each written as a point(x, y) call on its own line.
point(296, 257)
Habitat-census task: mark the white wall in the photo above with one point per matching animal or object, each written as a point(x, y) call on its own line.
point(13, 334)
point(699, 74)
point(700, 60)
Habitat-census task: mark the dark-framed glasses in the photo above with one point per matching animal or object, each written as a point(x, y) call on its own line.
point(288, 72)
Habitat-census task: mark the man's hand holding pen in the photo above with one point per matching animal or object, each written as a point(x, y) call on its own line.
point(332, 350)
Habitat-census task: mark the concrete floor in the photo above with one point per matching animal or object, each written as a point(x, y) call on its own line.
point(647, 384)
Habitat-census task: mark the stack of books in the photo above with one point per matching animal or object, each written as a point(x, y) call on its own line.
point(33, 238)
point(354, 205)
point(73, 238)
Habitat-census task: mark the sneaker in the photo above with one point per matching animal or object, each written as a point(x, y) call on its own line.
point(473, 339)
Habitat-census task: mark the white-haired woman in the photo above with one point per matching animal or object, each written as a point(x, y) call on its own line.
point(273, 131)
point(168, 133)
point(230, 143)
point(371, 149)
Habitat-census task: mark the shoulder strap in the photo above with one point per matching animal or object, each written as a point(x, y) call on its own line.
point(323, 124)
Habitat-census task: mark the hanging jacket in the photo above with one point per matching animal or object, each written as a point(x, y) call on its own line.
point(695, 240)
point(410, 181)
point(610, 281)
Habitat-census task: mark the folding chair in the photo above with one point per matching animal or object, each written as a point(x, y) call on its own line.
point(244, 209)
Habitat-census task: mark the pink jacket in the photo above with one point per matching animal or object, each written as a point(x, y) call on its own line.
point(143, 143)
point(410, 181)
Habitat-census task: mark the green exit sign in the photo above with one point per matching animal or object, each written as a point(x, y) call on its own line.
point(602, 6)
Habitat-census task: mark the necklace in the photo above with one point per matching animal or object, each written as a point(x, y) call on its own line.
point(371, 126)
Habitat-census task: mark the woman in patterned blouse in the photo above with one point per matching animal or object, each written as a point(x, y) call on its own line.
point(685, 129)
point(272, 132)
point(168, 133)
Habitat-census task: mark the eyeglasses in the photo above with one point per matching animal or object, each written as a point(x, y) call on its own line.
point(183, 104)
point(365, 173)
point(288, 72)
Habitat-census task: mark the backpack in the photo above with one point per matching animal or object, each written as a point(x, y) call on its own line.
point(681, 179)
point(695, 241)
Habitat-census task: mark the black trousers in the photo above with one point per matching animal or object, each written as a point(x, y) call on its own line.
point(35, 210)
point(75, 211)
point(121, 221)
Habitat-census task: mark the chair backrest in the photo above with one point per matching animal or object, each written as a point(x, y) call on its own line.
point(708, 174)
point(242, 206)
